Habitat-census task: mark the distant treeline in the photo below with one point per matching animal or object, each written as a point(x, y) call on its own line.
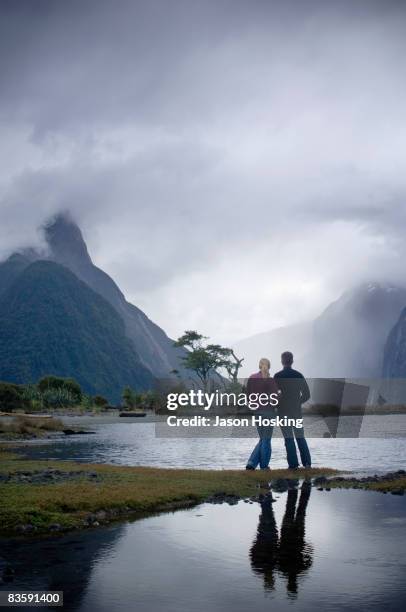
point(53, 392)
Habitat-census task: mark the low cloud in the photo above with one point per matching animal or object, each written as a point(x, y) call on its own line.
point(234, 166)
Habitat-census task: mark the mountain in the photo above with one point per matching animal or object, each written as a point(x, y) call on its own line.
point(295, 338)
point(350, 335)
point(346, 341)
point(67, 247)
point(51, 322)
point(394, 363)
point(11, 268)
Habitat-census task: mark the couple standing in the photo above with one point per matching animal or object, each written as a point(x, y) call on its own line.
point(293, 391)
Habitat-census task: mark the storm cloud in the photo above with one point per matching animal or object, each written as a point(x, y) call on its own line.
point(233, 165)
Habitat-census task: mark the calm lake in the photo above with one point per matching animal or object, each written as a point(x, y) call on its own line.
point(337, 550)
point(133, 442)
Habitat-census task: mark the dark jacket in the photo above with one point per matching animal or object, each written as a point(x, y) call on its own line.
point(294, 392)
point(256, 385)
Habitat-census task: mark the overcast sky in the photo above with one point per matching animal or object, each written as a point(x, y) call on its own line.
point(234, 165)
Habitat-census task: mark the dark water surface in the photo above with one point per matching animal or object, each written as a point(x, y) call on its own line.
point(310, 550)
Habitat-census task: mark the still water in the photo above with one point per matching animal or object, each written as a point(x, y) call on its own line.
point(131, 442)
point(337, 550)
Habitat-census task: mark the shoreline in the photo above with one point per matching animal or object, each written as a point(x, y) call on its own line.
point(41, 497)
point(89, 423)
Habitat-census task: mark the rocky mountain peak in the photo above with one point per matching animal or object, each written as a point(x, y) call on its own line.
point(65, 240)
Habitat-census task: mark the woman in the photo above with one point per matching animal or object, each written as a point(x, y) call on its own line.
point(262, 382)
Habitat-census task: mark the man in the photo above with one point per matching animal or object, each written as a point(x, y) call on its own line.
point(294, 392)
point(258, 383)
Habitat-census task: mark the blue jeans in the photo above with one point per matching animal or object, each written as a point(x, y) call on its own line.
point(291, 434)
point(262, 452)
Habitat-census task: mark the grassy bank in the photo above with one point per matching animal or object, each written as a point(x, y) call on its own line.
point(105, 491)
point(26, 427)
point(45, 496)
point(391, 483)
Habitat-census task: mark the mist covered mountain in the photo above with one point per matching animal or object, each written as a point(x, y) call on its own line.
point(53, 323)
point(12, 267)
point(346, 340)
point(394, 363)
point(349, 336)
point(41, 333)
point(67, 247)
point(295, 338)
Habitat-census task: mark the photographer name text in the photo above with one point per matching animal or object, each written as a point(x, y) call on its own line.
point(252, 421)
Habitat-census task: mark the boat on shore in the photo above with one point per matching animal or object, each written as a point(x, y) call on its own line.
point(132, 413)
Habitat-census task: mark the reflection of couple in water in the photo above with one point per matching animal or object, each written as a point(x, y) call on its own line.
point(293, 391)
point(288, 554)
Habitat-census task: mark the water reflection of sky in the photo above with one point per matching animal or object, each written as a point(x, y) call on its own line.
point(205, 558)
point(329, 550)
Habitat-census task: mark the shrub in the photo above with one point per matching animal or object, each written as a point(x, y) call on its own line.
point(74, 388)
point(67, 387)
point(87, 402)
point(22, 424)
point(100, 401)
point(11, 397)
point(58, 398)
point(49, 382)
point(148, 400)
point(46, 423)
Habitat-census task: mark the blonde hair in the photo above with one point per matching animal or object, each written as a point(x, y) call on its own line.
point(266, 360)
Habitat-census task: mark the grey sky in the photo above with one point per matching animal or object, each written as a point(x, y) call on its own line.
point(233, 165)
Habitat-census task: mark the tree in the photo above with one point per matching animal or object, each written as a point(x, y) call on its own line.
point(129, 398)
point(231, 363)
point(205, 360)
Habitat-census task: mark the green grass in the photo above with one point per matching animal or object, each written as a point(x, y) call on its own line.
point(127, 490)
point(131, 491)
point(384, 486)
